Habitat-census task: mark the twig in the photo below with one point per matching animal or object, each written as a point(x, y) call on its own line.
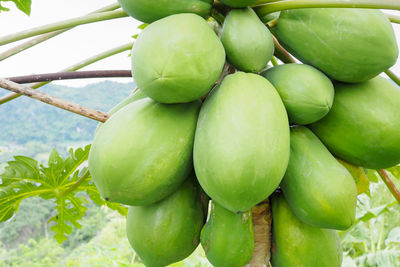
point(70, 75)
point(389, 183)
point(281, 52)
point(393, 76)
point(54, 101)
point(75, 67)
point(37, 40)
point(62, 25)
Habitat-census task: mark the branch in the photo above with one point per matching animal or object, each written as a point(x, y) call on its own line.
point(390, 185)
point(28, 44)
point(393, 76)
point(393, 18)
point(75, 67)
point(62, 25)
point(70, 75)
point(78, 109)
point(269, 7)
point(281, 52)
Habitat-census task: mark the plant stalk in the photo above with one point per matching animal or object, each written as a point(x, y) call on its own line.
point(269, 7)
point(393, 18)
point(37, 40)
point(62, 25)
point(75, 67)
point(389, 183)
point(54, 101)
point(393, 76)
point(281, 53)
point(77, 184)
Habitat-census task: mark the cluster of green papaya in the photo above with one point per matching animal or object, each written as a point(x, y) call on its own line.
point(193, 132)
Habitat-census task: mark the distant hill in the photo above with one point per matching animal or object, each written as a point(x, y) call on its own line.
point(27, 120)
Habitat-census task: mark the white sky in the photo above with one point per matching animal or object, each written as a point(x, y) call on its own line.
point(76, 44)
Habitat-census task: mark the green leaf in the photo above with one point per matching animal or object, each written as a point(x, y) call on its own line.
point(23, 5)
point(395, 171)
point(374, 212)
point(394, 236)
point(143, 26)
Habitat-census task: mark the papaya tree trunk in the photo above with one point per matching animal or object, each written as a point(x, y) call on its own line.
point(262, 222)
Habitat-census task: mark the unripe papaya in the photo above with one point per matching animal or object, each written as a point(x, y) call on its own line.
point(306, 92)
point(348, 44)
point(247, 42)
point(152, 10)
point(227, 237)
point(177, 59)
point(242, 141)
point(144, 151)
point(297, 244)
point(320, 191)
point(169, 230)
point(363, 126)
point(238, 3)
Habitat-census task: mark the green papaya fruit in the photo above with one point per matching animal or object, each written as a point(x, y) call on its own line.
point(348, 44)
point(228, 238)
point(169, 230)
point(152, 10)
point(177, 59)
point(320, 191)
point(144, 151)
point(241, 147)
point(247, 42)
point(363, 126)
point(306, 92)
point(297, 244)
point(238, 3)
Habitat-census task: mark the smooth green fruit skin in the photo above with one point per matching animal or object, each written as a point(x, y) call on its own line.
point(177, 59)
point(238, 3)
point(144, 151)
point(149, 11)
point(228, 238)
point(297, 244)
point(241, 147)
point(169, 230)
point(348, 44)
point(363, 126)
point(320, 191)
point(247, 42)
point(306, 92)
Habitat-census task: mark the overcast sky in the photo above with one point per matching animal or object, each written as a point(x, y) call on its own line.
point(74, 45)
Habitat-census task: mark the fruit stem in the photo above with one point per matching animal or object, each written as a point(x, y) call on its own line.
point(54, 101)
point(393, 18)
point(389, 183)
point(67, 75)
point(269, 7)
point(274, 62)
point(62, 25)
point(217, 16)
point(393, 76)
point(77, 184)
point(281, 52)
point(77, 66)
point(37, 40)
point(262, 221)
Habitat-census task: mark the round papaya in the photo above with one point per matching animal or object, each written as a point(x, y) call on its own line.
point(177, 59)
point(152, 10)
point(295, 243)
point(169, 230)
point(363, 126)
point(238, 3)
point(348, 44)
point(320, 191)
point(227, 237)
point(306, 92)
point(144, 151)
point(247, 42)
point(241, 147)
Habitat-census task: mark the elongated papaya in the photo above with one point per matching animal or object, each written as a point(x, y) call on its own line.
point(247, 42)
point(306, 92)
point(320, 191)
point(144, 151)
point(348, 44)
point(297, 244)
point(227, 237)
point(238, 3)
point(363, 126)
point(177, 59)
point(241, 147)
point(169, 230)
point(152, 10)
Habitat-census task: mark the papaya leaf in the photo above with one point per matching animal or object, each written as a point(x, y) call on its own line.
point(395, 171)
point(374, 212)
point(393, 236)
point(372, 175)
point(359, 176)
point(23, 5)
